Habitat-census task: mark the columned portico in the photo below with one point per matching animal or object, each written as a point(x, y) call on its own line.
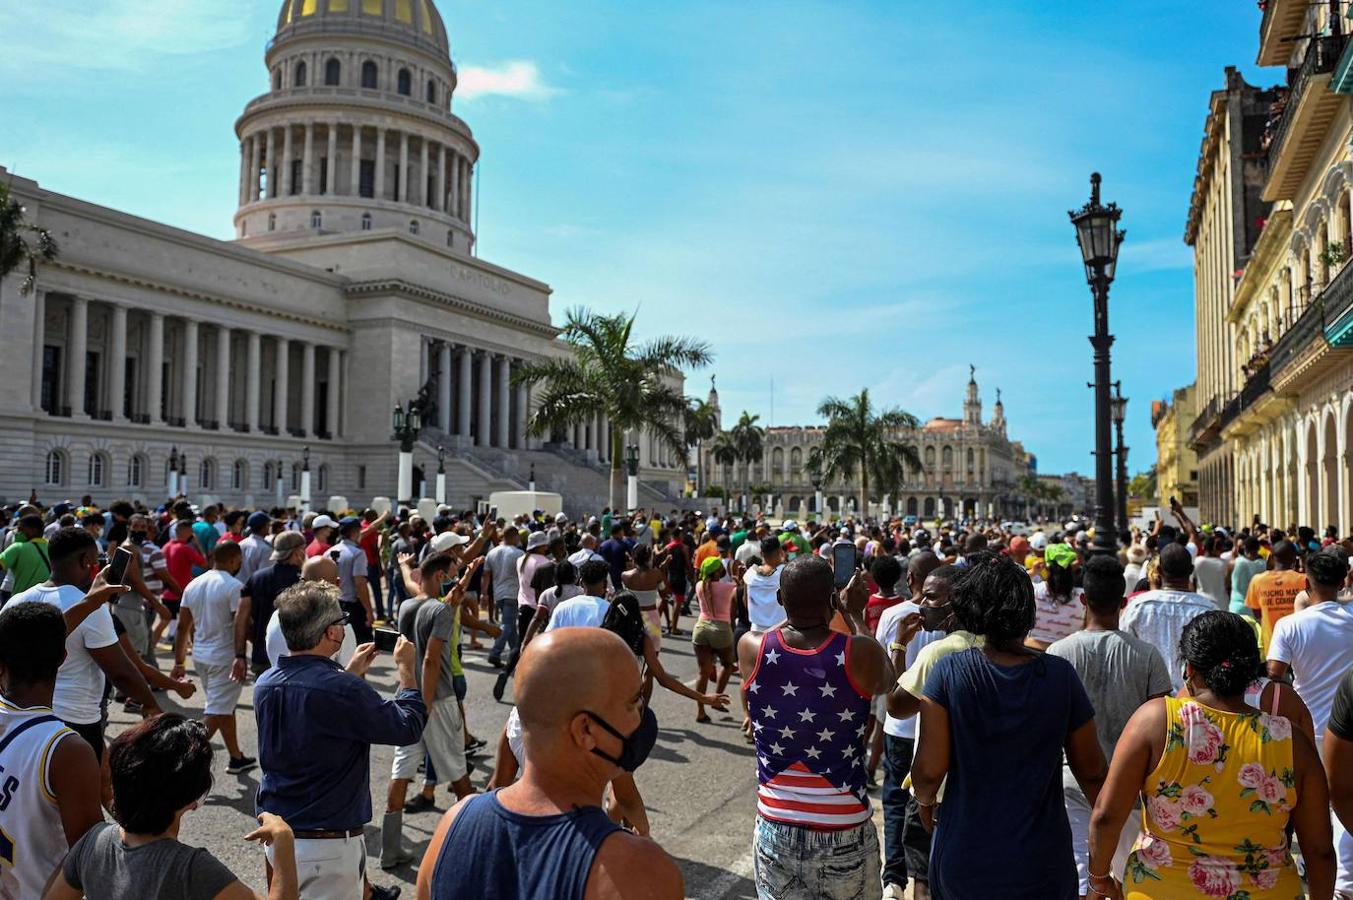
point(483, 435)
point(502, 417)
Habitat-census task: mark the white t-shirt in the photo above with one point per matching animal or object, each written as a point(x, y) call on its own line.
point(580, 611)
point(763, 607)
point(1158, 617)
point(578, 557)
point(212, 598)
point(1210, 573)
point(1318, 644)
point(79, 681)
point(885, 634)
point(275, 643)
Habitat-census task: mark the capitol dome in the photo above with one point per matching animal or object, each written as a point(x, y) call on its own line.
point(414, 20)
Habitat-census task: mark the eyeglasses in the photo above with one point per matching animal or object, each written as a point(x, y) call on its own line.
point(341, 620)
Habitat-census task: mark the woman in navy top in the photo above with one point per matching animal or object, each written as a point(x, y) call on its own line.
point(996, 720)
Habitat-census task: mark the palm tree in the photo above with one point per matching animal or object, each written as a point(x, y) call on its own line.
point(607, 374)
point(859, 440)
point(701, 423)
point(22, 246)
point(1039, 492)
point(750, 439)
point(725, 453)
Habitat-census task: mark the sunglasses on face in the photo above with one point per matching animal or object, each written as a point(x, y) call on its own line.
point(341, 620)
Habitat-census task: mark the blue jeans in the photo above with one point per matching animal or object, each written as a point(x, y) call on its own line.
point(897, 752)
point(795, 863)
point(507, 620)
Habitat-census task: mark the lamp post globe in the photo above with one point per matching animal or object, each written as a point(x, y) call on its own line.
point(1099, 238)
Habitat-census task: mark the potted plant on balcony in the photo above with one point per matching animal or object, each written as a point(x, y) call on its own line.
point(1333, 256)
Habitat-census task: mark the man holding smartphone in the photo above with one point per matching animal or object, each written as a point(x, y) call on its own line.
point(352, 582)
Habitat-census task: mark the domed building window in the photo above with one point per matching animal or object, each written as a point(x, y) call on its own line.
point(451, 239)
point(272, 221)
point(300, 74)
point(413, 227)
point(405, 86)
point(432, 91)
point(316, 220)
point(276, 79)
point(333, 71)
point(366, 221)
point(370, 75)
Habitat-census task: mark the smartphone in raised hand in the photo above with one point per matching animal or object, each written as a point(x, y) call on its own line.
point(844, 558)
point(117, 567)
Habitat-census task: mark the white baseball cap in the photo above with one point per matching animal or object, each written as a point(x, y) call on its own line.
point(537, 539)
point(446, 540)
point(1038, 541)
point(323, 522)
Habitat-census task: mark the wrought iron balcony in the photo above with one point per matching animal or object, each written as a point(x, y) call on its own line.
point(1308, 327)
point(1207, 421)
point(140, 418)
point(1286, 165)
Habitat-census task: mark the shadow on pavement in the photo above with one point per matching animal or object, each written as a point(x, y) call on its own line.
point(710, 883)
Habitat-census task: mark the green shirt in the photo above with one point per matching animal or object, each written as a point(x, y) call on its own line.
point(28, 561)
point(736, 540)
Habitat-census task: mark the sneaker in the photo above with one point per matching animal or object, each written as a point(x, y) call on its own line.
point(132, 706)
point(240, 764)
point(894, 892)
point(475, 744)
point(495, 662)
point(500, 685)
point(384, 893)
point(420, 803)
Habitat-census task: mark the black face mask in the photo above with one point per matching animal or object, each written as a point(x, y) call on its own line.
point(136, 537)
point(934, 617)
point(635, 748)
point(447, 586)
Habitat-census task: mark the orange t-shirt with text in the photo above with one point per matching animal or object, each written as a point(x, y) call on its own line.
point(1272, 595)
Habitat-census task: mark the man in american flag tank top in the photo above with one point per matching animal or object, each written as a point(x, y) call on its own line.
point(808, 693)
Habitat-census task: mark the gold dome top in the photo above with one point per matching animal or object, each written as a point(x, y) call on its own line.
point(418, 16)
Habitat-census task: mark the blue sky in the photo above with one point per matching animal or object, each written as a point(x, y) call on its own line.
point(834, 194)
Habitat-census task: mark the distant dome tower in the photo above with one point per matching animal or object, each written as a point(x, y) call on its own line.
point(972, 404)
point(998, 415)
point(356, 132)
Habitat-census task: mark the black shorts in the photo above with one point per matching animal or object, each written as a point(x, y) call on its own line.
point(172, 606)
point(93, 735)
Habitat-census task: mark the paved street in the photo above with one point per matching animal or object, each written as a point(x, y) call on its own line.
point(699, 784)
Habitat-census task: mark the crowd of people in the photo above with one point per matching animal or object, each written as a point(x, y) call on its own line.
point(1172, 721)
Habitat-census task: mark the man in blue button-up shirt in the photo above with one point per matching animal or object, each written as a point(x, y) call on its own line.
point(316, 725)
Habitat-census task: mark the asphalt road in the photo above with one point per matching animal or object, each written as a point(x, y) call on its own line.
point(699, 783)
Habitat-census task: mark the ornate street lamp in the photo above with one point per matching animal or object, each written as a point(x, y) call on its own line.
point(406, 426)
point(1099, 238)
point(531, 479)
point(172, 481)
point(441, 475)
point(305, 480)
point(632, 483)
point(1119, 415)
point(183, 474)
point(279, 486)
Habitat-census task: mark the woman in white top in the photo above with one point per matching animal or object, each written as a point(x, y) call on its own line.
point(649, 584)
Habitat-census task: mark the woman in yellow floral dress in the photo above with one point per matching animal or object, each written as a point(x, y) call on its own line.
point(1217, 782)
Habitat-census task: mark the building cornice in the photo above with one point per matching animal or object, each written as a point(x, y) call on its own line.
point(1268, 252)
point(452, 301)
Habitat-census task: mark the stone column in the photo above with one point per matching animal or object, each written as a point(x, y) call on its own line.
point(331, 398)
point(288, 150)
point(117, 363)
point(39, 342)
point(223, 377)
point(469, 191)
point(253, 366)
point(439, 202)
point(523, 416)
point(331, 164)
point(423, 174)
point(453, 203)
point(270, 165)
point(77, 342)
point(403, 167)
point(503, 414)
point(189, 373)
point(590, 434)
point(444, 387)
point(307, 388)
point(463, 378)
point(355, 179)
point(308, 161)
point(244, 169)
point(155, 369)
point(380, 163)
point(485, 425)
point(280, 388)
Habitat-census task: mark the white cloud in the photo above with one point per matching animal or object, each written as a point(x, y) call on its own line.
point(116, 35)
point(514, 78)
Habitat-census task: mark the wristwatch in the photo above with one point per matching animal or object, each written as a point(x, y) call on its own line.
point(897, 647)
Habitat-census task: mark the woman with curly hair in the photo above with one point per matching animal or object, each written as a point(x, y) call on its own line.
point(995, 722)
point(1219, 781)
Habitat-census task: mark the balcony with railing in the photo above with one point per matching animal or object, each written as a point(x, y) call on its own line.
point(1208, 423)
point(1293, 138)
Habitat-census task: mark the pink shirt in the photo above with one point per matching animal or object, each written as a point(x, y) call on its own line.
point(716, 600)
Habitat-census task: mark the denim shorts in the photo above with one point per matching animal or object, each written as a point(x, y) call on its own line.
point(795, 863)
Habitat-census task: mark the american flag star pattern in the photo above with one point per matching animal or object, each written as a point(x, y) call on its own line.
point(808, 722)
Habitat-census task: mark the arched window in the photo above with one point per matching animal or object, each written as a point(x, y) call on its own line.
point(405, 83)
point(366, 221)
point(136, 467)
point(272, 221)
point(239, 475)
point(450, 238)
point(295, 476)
point(947, 456)
point(930, 456)
point(333, 71)
point(206, 475)
point(277, 79)
point(269, 475)
point(413, 226)
point(316, 220)
point(432, 91)
point(56, 468)
point(777, 462)
point(98, 465)
point(300, 74)
point(322, 479)
point(370, 75)
point(796, 461)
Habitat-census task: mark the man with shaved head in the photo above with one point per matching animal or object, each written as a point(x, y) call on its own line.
point(579, 695)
